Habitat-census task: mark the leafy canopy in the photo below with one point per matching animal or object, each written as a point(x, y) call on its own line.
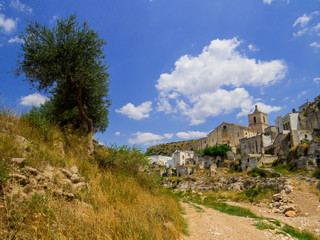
point(218, 150)
point(68, 61)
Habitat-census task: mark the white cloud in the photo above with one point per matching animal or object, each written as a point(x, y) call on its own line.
point(35, 99)
point(317, 80)
point(302, 94)
point(15, 39)
point(138, 112)
point(7, 24)
point(20, 6)
point(253, 48)
point(286, 99)
point(191, 135)
point(168, 135)
point(270, 1)
point(195, 87)
point(267, 1)
point(303, 20)
point(147, 138)
point(261, 106)
point(117, 133)
point(1, 6)
point(308, 24)
point(315, 44)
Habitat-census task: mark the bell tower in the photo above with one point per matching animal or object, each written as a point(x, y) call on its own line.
point(258, 121)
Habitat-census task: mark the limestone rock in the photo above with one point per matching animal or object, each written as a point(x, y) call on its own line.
point(31, 170)
point(288, 208)
point(230, 155)
point(75, 178)
point(74, 170)
point(21, 141)
point(80, 185)
point(49, 168)
point(23, 180)
point(290, 214)
point(18, 161)
point(66, 173)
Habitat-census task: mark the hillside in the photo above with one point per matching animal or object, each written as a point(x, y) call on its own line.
point(52, 189)
point(168, 148)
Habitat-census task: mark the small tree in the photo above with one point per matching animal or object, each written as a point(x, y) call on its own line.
point(219, 150)
point(68, 61)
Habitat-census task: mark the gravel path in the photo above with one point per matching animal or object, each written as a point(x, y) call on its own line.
point(207, 224)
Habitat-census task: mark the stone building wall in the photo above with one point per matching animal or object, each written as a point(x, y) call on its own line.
point(298, 136)
point(258, 121)
point(229, 134)
point(255, 145)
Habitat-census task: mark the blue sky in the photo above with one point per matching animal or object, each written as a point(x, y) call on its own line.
point(178, 68)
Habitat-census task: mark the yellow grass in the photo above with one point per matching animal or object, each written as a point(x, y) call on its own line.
point(116, 206)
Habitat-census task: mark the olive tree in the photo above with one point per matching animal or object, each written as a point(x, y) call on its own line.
point(68, 61)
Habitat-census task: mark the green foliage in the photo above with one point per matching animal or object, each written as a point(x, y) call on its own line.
point(68, 61)
point(36, 118)
point(219, 150)
point(229, 209)
point(262, 225)
point(124, 159)
point(263, 173)
point(301, 235)
point(316, 173)
point(4, 175)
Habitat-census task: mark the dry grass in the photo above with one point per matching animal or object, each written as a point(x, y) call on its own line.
point(116, 206)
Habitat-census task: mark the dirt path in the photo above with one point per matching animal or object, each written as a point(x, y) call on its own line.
point(208, 224)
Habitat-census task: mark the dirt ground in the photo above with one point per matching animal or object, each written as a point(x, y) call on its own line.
point(210, 224)
point(206, 223)
point(307, 199)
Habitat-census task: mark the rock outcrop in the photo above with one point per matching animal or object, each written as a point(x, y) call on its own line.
point(24, 181)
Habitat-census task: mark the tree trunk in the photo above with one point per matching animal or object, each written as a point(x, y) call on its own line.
point(83, 115)
point(80, 105)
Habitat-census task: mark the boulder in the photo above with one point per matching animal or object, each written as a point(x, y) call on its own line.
point(74, 170)
point(18, 161)
point(23, 180)
point(230, 155)
point(75, 178)
point(31, 170)
point(290, 214)
point(66, 173)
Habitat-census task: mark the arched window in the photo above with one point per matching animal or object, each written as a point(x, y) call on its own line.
point(264, 120)
point(254, 119)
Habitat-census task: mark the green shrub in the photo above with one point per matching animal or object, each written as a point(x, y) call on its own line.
point(4, 175)
point(263, 173)
point(219, 150)
point(301, 235)
point(41, 121)
point(124, 159)
point(316, 173)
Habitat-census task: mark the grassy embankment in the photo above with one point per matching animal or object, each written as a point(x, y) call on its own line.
point(121, 203)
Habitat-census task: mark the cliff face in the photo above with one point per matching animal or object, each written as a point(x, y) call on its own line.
point(169, 148)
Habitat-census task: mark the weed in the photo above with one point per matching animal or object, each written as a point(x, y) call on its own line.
point(301, 235)
point(262, 225)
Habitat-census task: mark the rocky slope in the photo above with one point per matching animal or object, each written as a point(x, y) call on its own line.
point(168, 148)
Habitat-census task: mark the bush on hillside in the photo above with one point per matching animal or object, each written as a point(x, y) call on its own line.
point(218, 150)
point(124, 159)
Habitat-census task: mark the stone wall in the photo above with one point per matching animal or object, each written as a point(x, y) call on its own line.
point(255, 145)
point(229, 134)
point(298, 136)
